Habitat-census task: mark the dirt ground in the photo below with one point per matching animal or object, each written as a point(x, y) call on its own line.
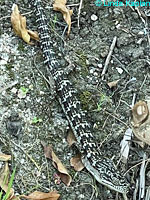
point(29, 110)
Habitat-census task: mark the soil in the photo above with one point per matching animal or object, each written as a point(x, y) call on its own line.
point(29, 110)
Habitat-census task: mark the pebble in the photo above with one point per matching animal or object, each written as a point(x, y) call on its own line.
point(81, 196)
point(100, 65)
point(95, 74)
point(140, 33)
point(14, 90)
point(139, 41)
point(119, 70)
point(138, 52)
point(94, 17)
point(3, 62)
point(22, 161)
point(92, 71)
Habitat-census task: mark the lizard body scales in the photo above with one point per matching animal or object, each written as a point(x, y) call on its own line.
point(101, 168)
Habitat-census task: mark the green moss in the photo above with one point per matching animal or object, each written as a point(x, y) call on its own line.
point(36, 120)
point(9, 68)
point(102, 101)
point(21, 46)
point(85, 99)
point(53, 22)
point(2, 2)
point(82, 62)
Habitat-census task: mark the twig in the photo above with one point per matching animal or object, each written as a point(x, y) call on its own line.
point(80, 6)
point(124, 196)
point(5, 17)
point(71, 5)
point(143, 82)
point(147, 193)
point(30, 158)
point(144, 21)
point(117, 118)
point(136, 189)
point(125, 145)
point(122, 66)
point(9, 85)
point(133, 100)
point(142, 178)
point(109, 56)
point(148, 160)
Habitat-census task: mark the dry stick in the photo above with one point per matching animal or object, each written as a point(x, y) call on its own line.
point(145, 22)
point(112, 115)
point(147, 194)
point(9, 85)
point(142, 178)
point(109, 56)
point(147, 160)
point(30, 158)
point(8, 16)
point(80, 6)
point(136, 189)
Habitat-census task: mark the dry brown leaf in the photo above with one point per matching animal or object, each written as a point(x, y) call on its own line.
point(15, 198)
point(49, 153)
point(19, 26)
point(4, 178)
point(33, 34)
point(113, 83)
point(71, 138)
point(11, 196)
point(37, 195)
point(77, 163)
point(60, 5)
point(141, 121)
point(140, 113)
point(4, 157)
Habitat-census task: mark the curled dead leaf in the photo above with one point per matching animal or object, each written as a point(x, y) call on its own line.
point(14, 198)
point(4, 157)
point(33, 34)
point(60, 5)
point(141, 121)
point(19, 26)
point(71, 138)
point(4, 181)
point(37, 195)
point(140, 113)
point(77, 163)
point(113, 83)
point(63, 173)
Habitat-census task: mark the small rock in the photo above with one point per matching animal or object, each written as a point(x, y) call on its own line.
point(119, 70)
point(22, 161)
point(135, 15)
point(140, 41)
point(81, 196)
point(118, 26)
point(14, 90)
point(95, 74)
point(138, 52)
point(82, 20)
point(117, 11)
point(87, 62)
point(140, 33)
point(94, 17)
point(3, 62)
point(84, 13)
point(100, 65)
point(91, 71)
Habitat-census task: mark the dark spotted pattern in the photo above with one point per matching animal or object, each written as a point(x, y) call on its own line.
point(101, 168)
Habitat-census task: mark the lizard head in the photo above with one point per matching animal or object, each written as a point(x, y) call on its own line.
point(106, 173)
